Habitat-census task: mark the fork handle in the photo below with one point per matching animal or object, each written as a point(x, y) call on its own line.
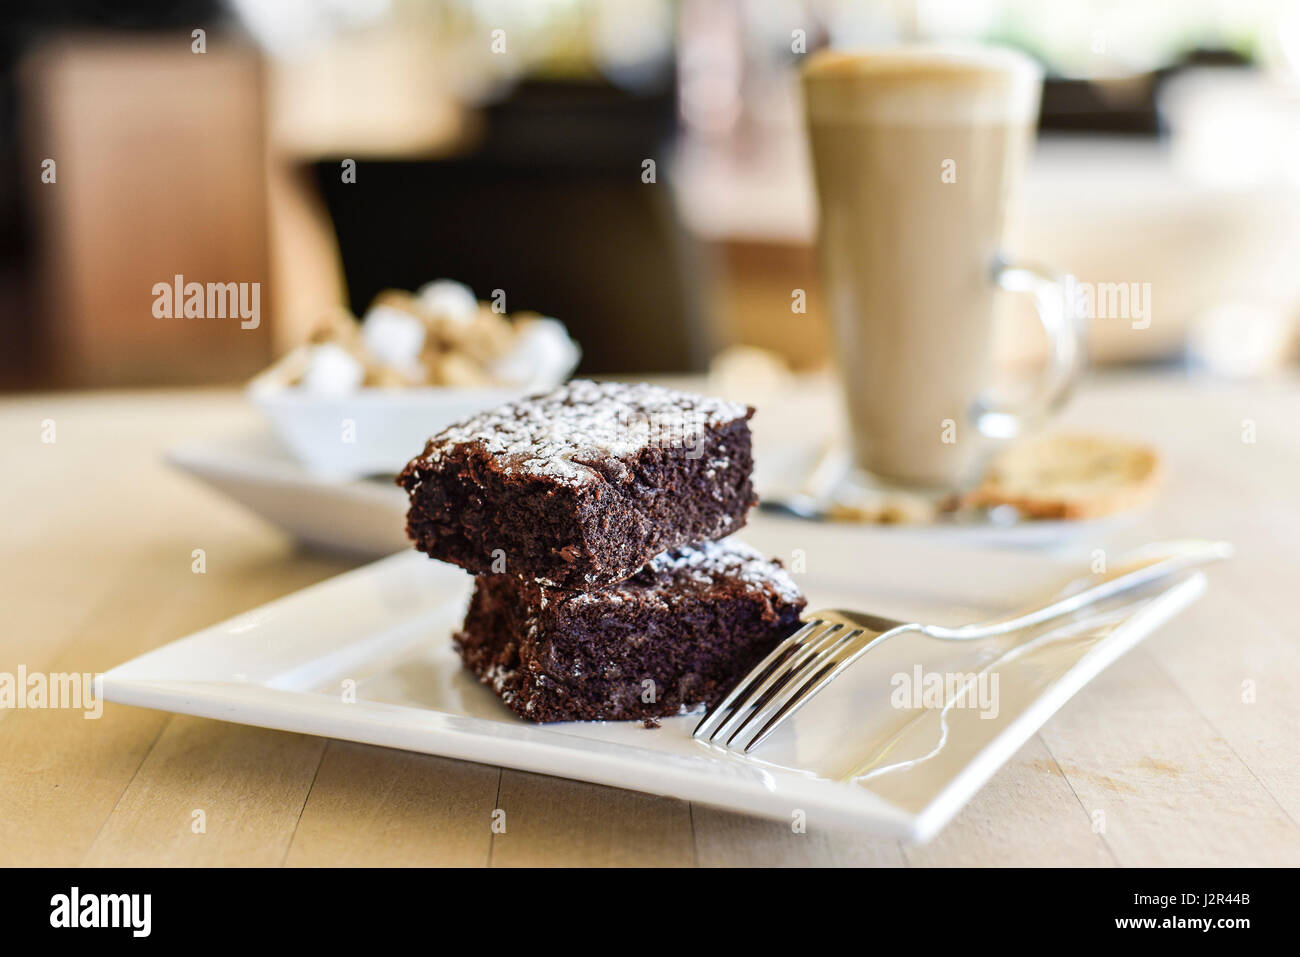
point(1146, 565)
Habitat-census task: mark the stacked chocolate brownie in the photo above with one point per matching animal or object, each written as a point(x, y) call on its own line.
point(591, 517)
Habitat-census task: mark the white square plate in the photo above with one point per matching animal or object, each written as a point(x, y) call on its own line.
point(381, 635)
point(367, 517)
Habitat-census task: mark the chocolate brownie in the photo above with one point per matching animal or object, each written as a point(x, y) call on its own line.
point(678, 633)
point(582, 486)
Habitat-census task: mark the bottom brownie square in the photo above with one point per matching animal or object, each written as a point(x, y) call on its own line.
point(676, 634)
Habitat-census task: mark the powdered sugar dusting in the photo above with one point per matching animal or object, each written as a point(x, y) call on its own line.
point(557, 434)
point(705, 563)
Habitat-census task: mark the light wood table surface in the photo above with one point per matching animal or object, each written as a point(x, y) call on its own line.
point(1189, 747)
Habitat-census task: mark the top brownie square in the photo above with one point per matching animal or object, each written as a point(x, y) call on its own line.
point(582, 486)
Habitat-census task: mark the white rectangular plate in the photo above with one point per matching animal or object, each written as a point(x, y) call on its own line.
point(367, 517)
point(367, 657)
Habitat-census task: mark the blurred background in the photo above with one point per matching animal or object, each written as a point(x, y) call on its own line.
point(504, 143)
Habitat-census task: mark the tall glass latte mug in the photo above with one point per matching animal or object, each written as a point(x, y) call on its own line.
point(917, 152)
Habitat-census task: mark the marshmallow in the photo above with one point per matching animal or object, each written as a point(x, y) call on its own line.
point(542, 353)
point(448, 299)
point(332, 370)
point(393, 337)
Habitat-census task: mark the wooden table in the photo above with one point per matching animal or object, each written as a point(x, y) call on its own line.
point(1185, 752)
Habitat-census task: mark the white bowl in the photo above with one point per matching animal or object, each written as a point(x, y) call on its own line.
point(371, 431)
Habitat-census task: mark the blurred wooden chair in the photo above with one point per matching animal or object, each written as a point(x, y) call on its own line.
point(159, 171)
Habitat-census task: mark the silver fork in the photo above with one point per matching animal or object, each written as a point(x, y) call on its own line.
point(831, 641)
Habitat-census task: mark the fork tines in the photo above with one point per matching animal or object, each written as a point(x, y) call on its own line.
point(771, 692)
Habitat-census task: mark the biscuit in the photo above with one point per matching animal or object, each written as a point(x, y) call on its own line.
point(1070, 476)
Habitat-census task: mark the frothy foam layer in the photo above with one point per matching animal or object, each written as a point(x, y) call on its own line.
point(923, 86)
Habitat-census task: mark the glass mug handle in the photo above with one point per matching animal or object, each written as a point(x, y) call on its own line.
point(1064, 360)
